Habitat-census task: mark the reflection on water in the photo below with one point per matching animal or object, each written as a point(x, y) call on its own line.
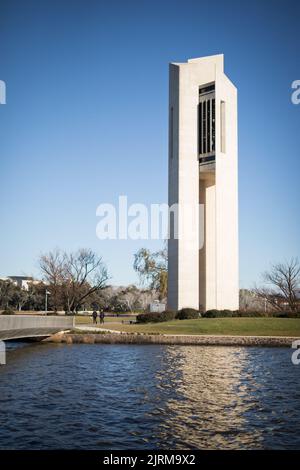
point(135, 397)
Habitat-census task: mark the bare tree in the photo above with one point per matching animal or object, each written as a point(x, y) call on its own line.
point(147, 296)
point(73, 278)
point(52, 267)
point(250, 301)
point(122, 298)
point(130, 296)
point(282, 285)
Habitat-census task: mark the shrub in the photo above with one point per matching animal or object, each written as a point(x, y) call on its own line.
point(249, 314)
point(156, 317)
point(211, 313)
point(188, 314)
point(169, 315)
point(8, 311)
point(214, 313)
point(227, 313)
point(293, 315)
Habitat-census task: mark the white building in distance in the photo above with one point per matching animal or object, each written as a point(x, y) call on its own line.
point(21, 281)
point(203, 170)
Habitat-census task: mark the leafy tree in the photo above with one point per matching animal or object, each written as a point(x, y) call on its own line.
point(152, 270)
point(8, 294)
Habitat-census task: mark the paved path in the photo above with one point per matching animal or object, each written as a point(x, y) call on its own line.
point(94, 329)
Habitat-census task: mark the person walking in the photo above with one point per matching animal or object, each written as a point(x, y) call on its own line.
point(101, 315)
point(94, 317)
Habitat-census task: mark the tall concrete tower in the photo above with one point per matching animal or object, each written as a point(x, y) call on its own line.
point(203, 173)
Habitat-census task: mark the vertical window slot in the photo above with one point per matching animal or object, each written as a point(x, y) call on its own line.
point(171, 131)
point(223, 126)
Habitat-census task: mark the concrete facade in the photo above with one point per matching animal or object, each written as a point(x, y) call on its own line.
point(203, 170)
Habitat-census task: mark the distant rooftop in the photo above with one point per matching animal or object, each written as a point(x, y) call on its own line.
point(21, 278)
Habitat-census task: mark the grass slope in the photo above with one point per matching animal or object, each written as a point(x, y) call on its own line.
point(212, 326)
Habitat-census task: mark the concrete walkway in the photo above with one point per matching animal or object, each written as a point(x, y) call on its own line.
point(32, 326)
point(94, 329)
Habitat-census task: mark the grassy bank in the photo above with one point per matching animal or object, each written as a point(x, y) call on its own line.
point(212, 326)
point(87, 319)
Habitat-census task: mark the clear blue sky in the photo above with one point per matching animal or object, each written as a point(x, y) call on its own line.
point(86, 120)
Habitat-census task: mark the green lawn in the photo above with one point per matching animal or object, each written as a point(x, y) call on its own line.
point(87, 320)
point(213, 326)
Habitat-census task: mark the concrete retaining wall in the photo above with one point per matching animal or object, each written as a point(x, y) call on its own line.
point(111, 338)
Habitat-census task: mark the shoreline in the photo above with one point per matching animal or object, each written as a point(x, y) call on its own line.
point(184, 340)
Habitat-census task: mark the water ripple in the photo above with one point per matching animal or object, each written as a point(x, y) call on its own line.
point(145, 397)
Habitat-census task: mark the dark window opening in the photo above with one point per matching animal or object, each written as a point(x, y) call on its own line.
point(206, 121)
point(171, 131)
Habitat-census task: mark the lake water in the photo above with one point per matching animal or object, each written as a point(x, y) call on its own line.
point(145, 397)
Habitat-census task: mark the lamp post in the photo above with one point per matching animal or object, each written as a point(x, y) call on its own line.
point(46, 300)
